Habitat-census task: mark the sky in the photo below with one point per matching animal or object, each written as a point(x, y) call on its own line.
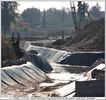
point(55, 4)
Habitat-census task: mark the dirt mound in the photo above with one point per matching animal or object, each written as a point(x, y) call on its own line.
point(91, 37)
point(58, 42)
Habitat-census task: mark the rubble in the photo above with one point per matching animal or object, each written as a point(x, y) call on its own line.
point(59, 82)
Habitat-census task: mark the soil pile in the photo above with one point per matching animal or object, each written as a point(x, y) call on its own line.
point(92, 37)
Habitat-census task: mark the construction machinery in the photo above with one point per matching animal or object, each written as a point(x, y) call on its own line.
point(78, 15)
point(73, 10)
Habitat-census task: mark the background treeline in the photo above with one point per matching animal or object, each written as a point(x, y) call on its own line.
point(54, 16)
point(32, 19)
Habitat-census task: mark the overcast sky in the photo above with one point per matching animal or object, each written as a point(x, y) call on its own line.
point(55, 4)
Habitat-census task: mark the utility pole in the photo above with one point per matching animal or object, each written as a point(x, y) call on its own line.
point(73, 10)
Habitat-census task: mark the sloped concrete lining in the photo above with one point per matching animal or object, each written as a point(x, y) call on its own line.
point(39, 61)
point(49, 54)
point(24, 75)
point(83, 58)
point(70, 58)
point(91, 88)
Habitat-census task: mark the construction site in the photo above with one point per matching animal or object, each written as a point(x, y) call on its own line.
point(72, 66)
